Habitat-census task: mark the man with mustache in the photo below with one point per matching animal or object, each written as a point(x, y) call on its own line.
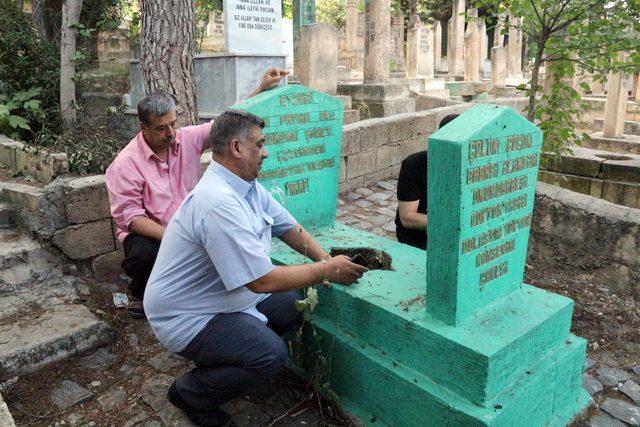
point(151, 176)
point(214, 295)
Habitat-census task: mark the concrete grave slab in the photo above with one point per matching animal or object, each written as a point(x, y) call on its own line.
point(488, 349)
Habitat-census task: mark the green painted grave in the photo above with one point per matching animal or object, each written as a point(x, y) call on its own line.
point(303, 135)
point(481, 347)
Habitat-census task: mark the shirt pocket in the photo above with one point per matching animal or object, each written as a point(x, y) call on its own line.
point(264, 229)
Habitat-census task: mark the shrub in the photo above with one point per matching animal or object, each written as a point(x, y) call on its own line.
point(28, 64)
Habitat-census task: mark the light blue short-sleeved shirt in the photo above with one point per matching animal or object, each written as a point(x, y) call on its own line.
point(217, 242)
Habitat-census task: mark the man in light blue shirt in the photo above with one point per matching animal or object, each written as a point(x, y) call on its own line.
point(214, 295)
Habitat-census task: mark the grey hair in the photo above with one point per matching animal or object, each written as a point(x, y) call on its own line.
point(155, 104)
point(229, 125)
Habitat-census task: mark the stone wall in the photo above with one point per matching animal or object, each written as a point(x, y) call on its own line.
point(586, 236)
point(374, 149)
point(608, 176)
point(41, 165)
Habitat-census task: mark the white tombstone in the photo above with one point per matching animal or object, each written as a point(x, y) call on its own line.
point(616, 107)
point(253, 28)
point(437, 45)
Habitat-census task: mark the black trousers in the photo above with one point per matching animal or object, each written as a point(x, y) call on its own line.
point(140, 254)
point(236, 352)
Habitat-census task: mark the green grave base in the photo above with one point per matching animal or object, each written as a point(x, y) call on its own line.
point(391, 363)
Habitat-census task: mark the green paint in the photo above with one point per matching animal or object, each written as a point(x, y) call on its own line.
point(482, 176)
point(504, 352)
point(303, 137)
point(304, 13)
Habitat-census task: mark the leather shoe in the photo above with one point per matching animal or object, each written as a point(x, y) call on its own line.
point(212, 418)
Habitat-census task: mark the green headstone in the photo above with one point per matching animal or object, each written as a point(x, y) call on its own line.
point(482, 172)
point(303, 137)
point(304, 13)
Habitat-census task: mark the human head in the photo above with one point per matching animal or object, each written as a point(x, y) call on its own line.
point(157, 116)
point(237, 143)
point(447, 119)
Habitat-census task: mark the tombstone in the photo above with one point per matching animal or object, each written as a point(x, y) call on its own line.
point(376, 41)
point(251, 29)
point(214, 35)
point(484, 45)
point(498, 65)
point(514, 47)
point(397, 43)
point(303, 134)
point(437, 45)
point(378, 94)
point(420, 52)
point(481, 348)
point(426, 65)
point(616, 106)
point(450, 47)
point(498, 37)
point(351, 54)
point(304, 13)
point(472, 50)
point(457, 36)
point(413, 46)
point(316, 62)
point(351, 25)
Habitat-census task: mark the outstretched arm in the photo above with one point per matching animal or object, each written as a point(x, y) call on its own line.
point(302, 242)
point(271, 79)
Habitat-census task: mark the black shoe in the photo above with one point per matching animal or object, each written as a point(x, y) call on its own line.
point(213, 418)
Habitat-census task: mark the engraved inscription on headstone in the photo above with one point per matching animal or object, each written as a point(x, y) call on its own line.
point(482, 174)
point(303, 136)
point(253, 26)
point(425, 43)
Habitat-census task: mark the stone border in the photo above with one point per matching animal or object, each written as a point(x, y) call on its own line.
point(40, 164)
point(577, 234)
point(595, 173)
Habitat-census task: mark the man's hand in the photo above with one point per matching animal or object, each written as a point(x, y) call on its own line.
point(340, 269)
point(270, 80)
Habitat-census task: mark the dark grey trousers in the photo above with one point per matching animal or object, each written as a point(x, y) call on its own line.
point(236, 352)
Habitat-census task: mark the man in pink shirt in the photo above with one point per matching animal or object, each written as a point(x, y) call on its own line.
point(151, 176)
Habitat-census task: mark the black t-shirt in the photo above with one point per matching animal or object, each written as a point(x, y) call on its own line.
point(412, 185)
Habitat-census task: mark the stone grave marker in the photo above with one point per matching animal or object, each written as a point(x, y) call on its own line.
point(478, 237)
point(253, 26)
point(303, 137)
point(488, 350)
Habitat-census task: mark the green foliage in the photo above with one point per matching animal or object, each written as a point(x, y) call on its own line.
point(203, 8)
point(287, 9)
point(29, 70)
point(331, 12)
point(19, 111)
point(90, 148)
point(570, 36)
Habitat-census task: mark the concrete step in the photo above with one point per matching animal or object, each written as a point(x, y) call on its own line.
point(39, 295)
point(15, 248)
point(630, 127)
point(350, 116)
point(7, 215)
point(346, 100)
point(28, 343)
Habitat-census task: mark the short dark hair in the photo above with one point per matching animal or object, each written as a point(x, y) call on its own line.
point(232, 124)
point(156, 104)
point(447, 119)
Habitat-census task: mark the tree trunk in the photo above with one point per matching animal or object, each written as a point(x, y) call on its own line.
point(70, 18)
point(46, 19)
point(535, 73)
point(168, 30)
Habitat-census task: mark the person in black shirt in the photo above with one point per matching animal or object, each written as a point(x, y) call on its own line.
point(411, 215)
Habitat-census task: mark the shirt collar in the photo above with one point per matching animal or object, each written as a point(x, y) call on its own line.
point(148, 153)
point(238, 184)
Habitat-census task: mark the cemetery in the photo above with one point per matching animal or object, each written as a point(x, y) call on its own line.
point(523, 310)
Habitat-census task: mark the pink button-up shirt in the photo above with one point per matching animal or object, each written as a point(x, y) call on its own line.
point(140, 184)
